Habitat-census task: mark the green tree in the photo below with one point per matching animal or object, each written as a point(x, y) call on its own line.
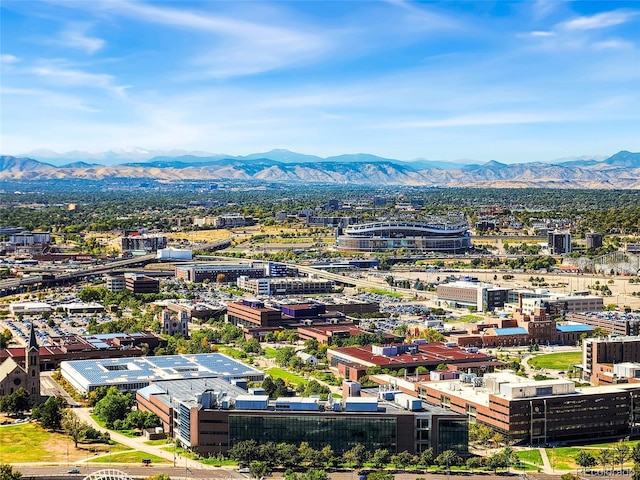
point(16, 402)
point(402, 459)
point(585, 460)
point(605, 457)
point(288, 455)
point(114, 406)
point(258, 469)
point(159, 476)
point(380, 475)
point(357, 456)
point(7, 472)
point(447, 459)
point(137, 419)
point(380, 458)
point(245, 452)
point(426, 457)
point(73, 426)
point(315, 474)
point(621, 453)
point(49, 413)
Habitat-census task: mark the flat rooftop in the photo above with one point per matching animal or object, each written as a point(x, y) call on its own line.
point(115, 371)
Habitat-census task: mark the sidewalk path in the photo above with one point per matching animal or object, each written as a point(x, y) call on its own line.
point(138, 444)
point(546, 465)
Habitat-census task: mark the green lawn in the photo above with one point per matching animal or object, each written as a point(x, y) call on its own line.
point(29, 442)
point(232, 352)
point(132, 456)
point(288, 377)
point(532, 457)
point(379, 291)
point(269, 352)
point(162, 441)
point(556, 361)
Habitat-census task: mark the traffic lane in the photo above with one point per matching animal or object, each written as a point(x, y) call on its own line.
point(134, 471)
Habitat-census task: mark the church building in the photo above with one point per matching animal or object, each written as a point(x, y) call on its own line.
point(14, 375)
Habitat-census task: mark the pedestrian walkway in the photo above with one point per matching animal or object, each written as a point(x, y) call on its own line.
point(546, 465)
point(138, 443)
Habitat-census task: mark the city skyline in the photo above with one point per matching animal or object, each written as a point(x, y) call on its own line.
point(507, 81)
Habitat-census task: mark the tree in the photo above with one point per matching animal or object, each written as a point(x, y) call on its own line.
point(426, 457)
point(159, 476)
point(114, 406)
point(309, 455)
point(7, 473)
point(245, 452)
point(357, 456)
point(49, 414)
point(380, 475)
point(447, 458)
point(139, 420)
point(605, 457)
point(269, 454)
point(328, 457)
point(314, 474)
point(16, 402)
point(288, 455)
point(258, 469)
point(621, 452)
point(380, 457)
point(73, 426)
point(402, 460)
point(585, 460)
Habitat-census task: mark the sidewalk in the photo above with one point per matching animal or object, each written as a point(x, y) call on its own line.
point(138, 444)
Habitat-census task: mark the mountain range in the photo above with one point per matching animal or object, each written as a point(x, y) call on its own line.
point(619, 171)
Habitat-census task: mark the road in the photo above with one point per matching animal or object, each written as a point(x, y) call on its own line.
point(225, 473)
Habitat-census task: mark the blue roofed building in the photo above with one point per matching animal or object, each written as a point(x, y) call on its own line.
point(130, 374)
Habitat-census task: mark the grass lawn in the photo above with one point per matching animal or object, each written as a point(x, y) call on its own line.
point(470, 318)
point(380, 291)
point(132, 456)
point(269, 352)
point(563, 458)
point(288, 377)
point(232, 352)
point(556, 361)
point(532, 457)
point(28, 442)
point(162, 441)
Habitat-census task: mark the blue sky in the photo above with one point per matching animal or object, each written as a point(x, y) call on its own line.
point(510, 81)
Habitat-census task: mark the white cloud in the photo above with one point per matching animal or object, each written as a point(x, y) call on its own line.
point(46, 98)
point(75, 37)
point(599, 20)
point(238, 47)
point(542, 33)
point(79, 78)
point(612, 45)
point(489, 118)
point(7, 59)
point(543, 8)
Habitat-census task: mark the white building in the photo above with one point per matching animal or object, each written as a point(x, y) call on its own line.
point(174, 254)
point(29, 308)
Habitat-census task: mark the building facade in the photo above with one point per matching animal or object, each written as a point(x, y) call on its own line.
point(219, 416)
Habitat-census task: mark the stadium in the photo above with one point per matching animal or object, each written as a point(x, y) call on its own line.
point(435, 234)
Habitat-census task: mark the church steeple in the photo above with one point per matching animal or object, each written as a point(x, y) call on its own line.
point(33, 343)
point(32, 366)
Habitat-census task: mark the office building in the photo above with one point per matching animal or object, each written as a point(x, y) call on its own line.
point(559, 242)
point(209, 416)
